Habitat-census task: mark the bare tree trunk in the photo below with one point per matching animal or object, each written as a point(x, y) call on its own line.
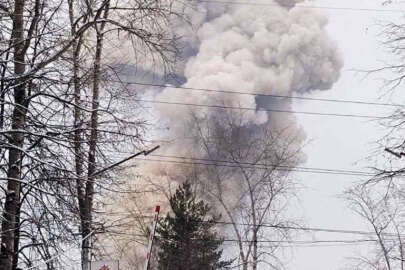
point(245, 265)
point(254, 219)
point(83, 204)
point(16, 141)
point(16, 238)
point(94, 125)
point(255, 257)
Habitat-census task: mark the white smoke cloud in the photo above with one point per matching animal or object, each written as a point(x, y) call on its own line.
point(269, 49)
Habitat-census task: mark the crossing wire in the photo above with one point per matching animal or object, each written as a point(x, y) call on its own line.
point(293, 228)
point(375, 117)
point(214, 162)
point(294, 243)
point(260, 94)
point(252, 167)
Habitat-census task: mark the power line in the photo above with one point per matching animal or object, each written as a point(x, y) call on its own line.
point(303, 6)
point(267, 241)
point(293, 228)
point(267, 165)
point(309, 229)
point(297, 242)
point(257, 167)
point(260, 110)
point(261, 94)
point(308, 245)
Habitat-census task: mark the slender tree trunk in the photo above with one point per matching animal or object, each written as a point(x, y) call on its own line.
point(254, 219)
point(94, 123)
point(81, 186)
point(77, 100)
point(16, 141)
point(79, 153)
point(16, 238)
point(254, 264)
point(245, 265)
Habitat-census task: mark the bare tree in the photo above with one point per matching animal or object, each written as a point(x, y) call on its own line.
point(380, 200)
point(59, 119)
point(248, 179)
point(382, 209)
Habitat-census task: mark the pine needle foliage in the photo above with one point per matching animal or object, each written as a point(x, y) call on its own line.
point(187, 239)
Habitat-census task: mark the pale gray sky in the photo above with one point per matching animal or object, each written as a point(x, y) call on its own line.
point(341, 143)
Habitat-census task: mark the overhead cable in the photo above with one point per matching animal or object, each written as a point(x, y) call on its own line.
point(375, 117)
point(261, 94)
point(313, 170)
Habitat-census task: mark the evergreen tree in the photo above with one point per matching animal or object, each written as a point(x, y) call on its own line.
point(187, 239)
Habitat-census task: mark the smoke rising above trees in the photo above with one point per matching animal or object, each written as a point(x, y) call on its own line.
point(277, 49)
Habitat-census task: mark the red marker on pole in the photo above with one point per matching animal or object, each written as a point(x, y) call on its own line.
point(151, 237)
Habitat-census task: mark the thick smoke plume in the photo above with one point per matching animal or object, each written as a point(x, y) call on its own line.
point(277, 48)
point(271, 49)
